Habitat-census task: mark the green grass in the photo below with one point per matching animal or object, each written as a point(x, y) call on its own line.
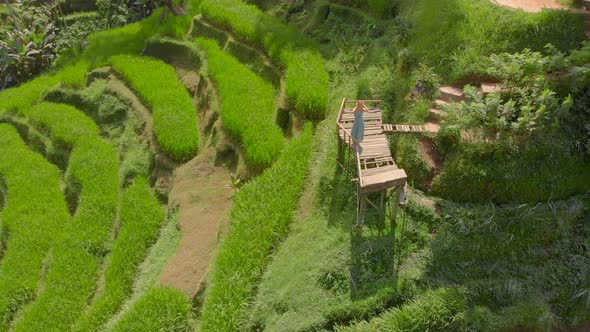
point(481, 172)
point(34, 214)
point(438, 310)
point(141, 218)
point(77, 254)
point(306, 76)
point(507, 257)
point(160, 309)
point(260, 217)
point(175, 120)
point(247, 106)
point(130, 39)
point(346, 277)
point(463, 31)
point(149, 270)
point(20, 99)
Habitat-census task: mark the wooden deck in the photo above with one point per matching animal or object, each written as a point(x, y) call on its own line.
point(376, 168)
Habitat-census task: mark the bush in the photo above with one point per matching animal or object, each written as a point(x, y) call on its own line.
point(141, 218)
point(438, 310)
point(175, 120)
point(260, 217)
point(306, 77)
point(77, 253)
point(34, 215)
point(247, 106)
point(160, 309)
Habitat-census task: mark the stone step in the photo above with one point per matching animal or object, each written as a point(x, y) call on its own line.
point(436, 114)
point(441, 103)
point(487, 88)
point(451, 93)
point(432, 127)
point(586, 4)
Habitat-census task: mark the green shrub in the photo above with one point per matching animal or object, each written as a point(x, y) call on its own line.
point(78, 252)
point(175, 120)
point(306, 77)
point(260, 217)
point(34, 215)
point(160, 309)
point(438, 310)
point(247, 106)
point(141, 218)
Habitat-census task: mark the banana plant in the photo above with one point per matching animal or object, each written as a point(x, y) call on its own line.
point(25, 53)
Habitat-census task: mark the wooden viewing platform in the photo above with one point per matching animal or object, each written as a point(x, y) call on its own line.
point(376, 169)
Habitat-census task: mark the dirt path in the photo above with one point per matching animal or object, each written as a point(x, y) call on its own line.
point(200, 192)
point(530, 5)
point(429, 154)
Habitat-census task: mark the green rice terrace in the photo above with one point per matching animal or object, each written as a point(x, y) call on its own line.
point(294, 165)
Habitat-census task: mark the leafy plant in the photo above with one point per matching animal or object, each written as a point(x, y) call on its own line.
point(28, 49)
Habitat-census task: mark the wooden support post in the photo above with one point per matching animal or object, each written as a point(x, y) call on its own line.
point(340, 150)
point(395, 207)
point(361, 207)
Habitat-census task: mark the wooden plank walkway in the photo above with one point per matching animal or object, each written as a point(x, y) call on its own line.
point(377, 170)
point(406, 129)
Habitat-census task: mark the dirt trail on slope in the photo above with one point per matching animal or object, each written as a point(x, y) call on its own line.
point(429, 154)
point(530, 5)
point(200, 192)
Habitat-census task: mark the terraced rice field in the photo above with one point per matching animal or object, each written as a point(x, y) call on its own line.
point(92, 149)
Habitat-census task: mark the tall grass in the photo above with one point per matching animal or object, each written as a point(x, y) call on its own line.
point(438, 310)
point(260, 217)
point(449, 33)
point(141, 218)
point(34, 215)
point(175, 120)
point(306, 76)
point(247, 106)
point(160, 309)
point(93, 167)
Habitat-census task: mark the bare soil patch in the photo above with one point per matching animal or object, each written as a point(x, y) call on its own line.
point(429, 154)
point(200, 191)
point(530, 5)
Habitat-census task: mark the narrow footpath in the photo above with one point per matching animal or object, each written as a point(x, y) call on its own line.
point(201, 193)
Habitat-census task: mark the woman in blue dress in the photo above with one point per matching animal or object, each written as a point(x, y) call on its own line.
point(358, 126)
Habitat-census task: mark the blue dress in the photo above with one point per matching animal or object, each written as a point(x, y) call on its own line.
point(358, 127)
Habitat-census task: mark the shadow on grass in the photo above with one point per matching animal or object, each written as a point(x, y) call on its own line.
point(372, 249)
